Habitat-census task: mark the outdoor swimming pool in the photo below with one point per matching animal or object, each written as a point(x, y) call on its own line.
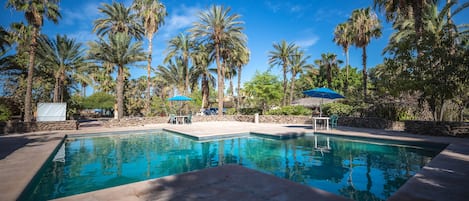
point(356, 168)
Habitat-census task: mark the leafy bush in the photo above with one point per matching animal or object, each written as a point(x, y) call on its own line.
point(290, 110)
point(337, 109)
point(250, 111)
point(4, 113)
point(231, 111)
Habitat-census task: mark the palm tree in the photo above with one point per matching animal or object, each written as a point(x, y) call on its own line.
point(4, 39)
point(366, 26)
point(217, 27)
point(173, 73)
point(118, 19)
point(84, 75)
point(61, 56)
point(330, 64)
point(298, 63)
point(282, 56)
point(181, 46)
point(201, 59)
point(34, 12)
point(343, 37)
point(241, 59)
point(118, 51)
point(398, 9)
point(152, 13)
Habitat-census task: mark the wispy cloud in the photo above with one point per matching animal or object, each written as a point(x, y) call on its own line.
point(307, 42)
point(323, 14)
point(179, 19)
point(276, 6)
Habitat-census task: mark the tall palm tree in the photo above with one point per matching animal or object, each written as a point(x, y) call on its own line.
point(330, 64)
point(181, 46)
point(62, 56)
point(201, 60)
point(241, 59)
point(4, 39)
point(298, 63)
point(366, 26)
point(34, 11)
point(152, 13)
point(118, 19)
point(173, 73)
point(281, 56)
point(84, 75)
point(343, 37)
point(217, 27)
point(396, 9)
point(119, 51)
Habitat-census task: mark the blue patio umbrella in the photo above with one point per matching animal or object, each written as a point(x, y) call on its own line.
point(322, 93)
point(179, 98)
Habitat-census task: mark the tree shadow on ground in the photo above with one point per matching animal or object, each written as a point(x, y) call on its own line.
point(9, 145)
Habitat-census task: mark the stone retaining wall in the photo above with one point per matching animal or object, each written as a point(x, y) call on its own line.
point(23, 127)
point(279, 119)
point(370, 122)
point(460, 129)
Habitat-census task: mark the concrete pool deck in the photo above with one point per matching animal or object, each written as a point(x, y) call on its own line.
point(446, 177)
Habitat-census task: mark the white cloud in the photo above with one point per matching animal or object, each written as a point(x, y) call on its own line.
point(307, 42)
point(179, 19)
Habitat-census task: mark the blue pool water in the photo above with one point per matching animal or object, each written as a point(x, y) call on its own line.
point(353, 168)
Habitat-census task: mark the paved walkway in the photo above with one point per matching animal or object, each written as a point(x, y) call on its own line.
point(444, 178)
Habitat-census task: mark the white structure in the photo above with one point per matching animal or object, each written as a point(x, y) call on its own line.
point(51, 111)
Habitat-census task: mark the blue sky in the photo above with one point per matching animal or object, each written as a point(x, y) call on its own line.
point(307, 23)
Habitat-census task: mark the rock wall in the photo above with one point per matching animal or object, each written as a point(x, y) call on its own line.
point(23, 127)
point(459, 129)
point(370, 122)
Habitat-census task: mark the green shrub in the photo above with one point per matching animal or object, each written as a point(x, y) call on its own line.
point(337, 109)
point(250, 111)
point(290, 110)
point(231, 111)
point(4, 113)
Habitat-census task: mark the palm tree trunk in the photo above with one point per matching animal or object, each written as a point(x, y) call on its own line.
point(346, 70)
point(29, 85)
point(147, 95)
point(292, 87)
point(239, 87)
point(186, 82)
point(329, 75)
point(205, 91)
point(120, 92)
point(365, 76)
point(284, 101)
point(231, 86)
point(220, 80)
point(55, 99)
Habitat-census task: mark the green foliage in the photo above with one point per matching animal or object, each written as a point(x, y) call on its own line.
point(4, 112)
point(160, 107)
point(74, 104)
point(290, 110)
point(99, 100)
point(231, 111)
point(250, 111)
point(264, 91)
point(390, 111)
point(337, 109)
